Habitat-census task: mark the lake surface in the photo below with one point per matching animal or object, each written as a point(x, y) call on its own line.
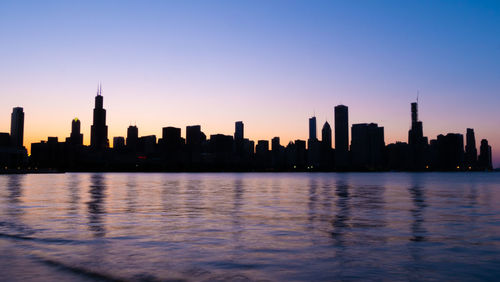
point(250, 226)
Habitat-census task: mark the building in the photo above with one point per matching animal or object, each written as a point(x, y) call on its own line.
point(417, 142)
point(172, 144)
point(262, 154)
point(367, 146)
point(75, 138)
point(326, 157)
point(470, 150)
point(132, 137)
point(194, 136)
point(146, 145)
point(341, 137)
point(17, 127)
point(99, 129)
point(312, 129)
point(448, 152)
point(118, 143)
point(485, 161)
point(326, 136)
point(239, 131)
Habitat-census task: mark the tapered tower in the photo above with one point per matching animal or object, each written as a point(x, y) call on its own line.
point(99, 129)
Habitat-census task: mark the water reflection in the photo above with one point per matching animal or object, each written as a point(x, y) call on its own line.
point(417, 193)
point(193, 203)
point(236, 212)
point(131, 197)
point(74, 193)
point(14, 185)
point(96, 204)
point(311, 204)
point(340, 221)
point(14, 207)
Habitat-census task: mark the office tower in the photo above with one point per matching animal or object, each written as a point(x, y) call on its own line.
point(262, 146)
point(118, 143)
point(326, 136)
point(262, 154)
point(132, 137)
point(449, 152)
point(75, 138)
point(172, 143)
point(367, 146)
point(238, 131)
point(194, 136)
point(484, 160)
point(418, 143)
point(313, 146)
point(275, 144)
point(470, 149)
point(99, 129)
point(312, 128)
point(17, 127)
point(341, 137)
point(326, 152)
point(146, 144)
point(171, 135)
point(221, 149)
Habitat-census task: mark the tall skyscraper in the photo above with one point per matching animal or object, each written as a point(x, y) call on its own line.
point(275, 144)
point(341, 137)
point(239, 131)
point(132, 137)
point(326, 136)
point(470, 149)
point(418, 143)
point(17, 127)
point(76, 138)
point(99, 129)
point(484, 160)
point(415, 135)
point(312, 128)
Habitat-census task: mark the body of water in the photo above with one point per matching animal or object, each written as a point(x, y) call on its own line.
point(250, 226)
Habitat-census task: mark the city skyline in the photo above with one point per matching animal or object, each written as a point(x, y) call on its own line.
point(105, 140)
point(270, 65)
point(368, 150)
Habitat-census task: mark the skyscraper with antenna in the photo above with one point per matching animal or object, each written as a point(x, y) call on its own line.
point(99, 129)
point(416, 139)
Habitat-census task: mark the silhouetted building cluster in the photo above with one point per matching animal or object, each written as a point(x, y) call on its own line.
point(13, 154)
point(171, 152)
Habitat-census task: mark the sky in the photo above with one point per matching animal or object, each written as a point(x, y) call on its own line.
point(270, 64)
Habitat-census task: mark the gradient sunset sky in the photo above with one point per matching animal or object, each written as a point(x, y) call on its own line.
point(271, 64)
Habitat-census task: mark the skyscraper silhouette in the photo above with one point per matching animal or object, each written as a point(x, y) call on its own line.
point(99, 129)
point(367, 146)
point(341, 137)
point(17, 127)
point(132, 137)
point(484, 160)
point(470, 149)
point(326, 156)
point(76, 138)
point(418, 143)
point(326, 136)
point(312, 128)
point(239, 131)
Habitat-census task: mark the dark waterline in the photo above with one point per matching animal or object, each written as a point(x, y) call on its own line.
point(250, 226)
